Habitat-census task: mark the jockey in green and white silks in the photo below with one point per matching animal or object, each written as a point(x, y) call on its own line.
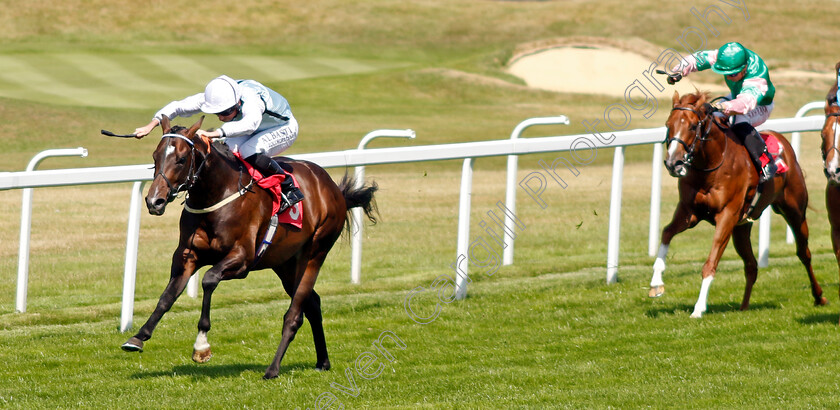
point(258, 123)
point(750, 99)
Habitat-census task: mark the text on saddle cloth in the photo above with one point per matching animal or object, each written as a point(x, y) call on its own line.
point(775, 148)
point(293, 215)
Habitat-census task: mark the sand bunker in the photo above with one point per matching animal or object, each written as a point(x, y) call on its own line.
point(594, 70)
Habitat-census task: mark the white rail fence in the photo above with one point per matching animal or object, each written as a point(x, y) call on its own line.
point(361, 157)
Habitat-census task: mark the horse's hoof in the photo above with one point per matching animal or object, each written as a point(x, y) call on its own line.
point(202, 356)
point(822, 302)
point(133, 345)
point(696, 315)
point(270, 374)
point(323, 366)
point(656, 291)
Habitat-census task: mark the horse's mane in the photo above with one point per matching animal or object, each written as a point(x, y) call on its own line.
point(224, 152)
point(695, 98)
point(219, 148)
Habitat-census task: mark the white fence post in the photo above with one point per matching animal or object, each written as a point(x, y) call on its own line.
point(132, 242)
point(357, 225)
point(26, 223)
point(615, 216)
point(655, 199)
point(463, 229)
point(512, 168)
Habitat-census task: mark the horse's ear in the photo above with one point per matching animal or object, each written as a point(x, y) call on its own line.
point(676, 99)
point(195, 127)
point(165, 125)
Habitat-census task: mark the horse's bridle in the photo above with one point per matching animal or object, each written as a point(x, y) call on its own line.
point(833, 147)
point(702, 131)
point(192, 176)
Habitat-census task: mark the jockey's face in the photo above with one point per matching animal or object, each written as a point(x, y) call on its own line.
point(228, 114)
point(737, 76)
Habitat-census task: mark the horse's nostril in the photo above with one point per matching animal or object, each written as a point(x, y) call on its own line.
point(155, 204)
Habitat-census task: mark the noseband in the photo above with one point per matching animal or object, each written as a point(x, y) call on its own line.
point(701, 132)
point(191, 177)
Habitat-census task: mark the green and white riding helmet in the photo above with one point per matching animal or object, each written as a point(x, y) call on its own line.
point(731, 58)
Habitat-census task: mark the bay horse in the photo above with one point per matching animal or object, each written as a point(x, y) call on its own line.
point(226, 236)
point(831, 163)
point(717, 183)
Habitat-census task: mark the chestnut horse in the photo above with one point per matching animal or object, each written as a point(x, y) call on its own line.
point(227, 235)
point(831, 164)
point(717, 183)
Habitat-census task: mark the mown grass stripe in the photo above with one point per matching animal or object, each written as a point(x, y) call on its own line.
point(345, 65)
point(30, 77)
point(274, 69)
point(193, 74)
point(109, 72)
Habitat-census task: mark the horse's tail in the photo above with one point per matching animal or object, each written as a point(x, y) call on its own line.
point(359, 197)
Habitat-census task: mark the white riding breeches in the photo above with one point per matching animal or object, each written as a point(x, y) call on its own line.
point(272, 141)
point(757, 116)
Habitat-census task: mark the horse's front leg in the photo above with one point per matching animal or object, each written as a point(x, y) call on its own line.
point(233, 267)
point(183, 266)
point(724, 224)
point(683, 219)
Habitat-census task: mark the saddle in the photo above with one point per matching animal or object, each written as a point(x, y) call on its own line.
point(292, 215)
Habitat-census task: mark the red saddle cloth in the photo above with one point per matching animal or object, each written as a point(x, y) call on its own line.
point(293, 215)
point(775, 148)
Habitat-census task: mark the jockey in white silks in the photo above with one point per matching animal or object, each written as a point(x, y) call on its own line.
point(258, 122)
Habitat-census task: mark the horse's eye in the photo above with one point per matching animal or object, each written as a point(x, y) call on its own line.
point(181, 160)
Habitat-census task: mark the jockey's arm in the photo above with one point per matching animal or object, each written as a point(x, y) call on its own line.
point(747, 99)
point(181, 108)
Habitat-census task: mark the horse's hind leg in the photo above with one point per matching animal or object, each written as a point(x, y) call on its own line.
point(683, 219)
point(741, 240)
point(795, 217)
point(293, 319)
point(312, 311)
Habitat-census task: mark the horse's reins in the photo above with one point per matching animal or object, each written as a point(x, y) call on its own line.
point(702, 134)
point(191, 179)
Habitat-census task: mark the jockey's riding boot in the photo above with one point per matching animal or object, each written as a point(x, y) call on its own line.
point(290, 191)
point(268, 167)
point(757, 149)
point(768, 171)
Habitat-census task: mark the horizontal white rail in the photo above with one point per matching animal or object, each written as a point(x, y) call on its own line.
point(348, 158)
point(378, 156)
